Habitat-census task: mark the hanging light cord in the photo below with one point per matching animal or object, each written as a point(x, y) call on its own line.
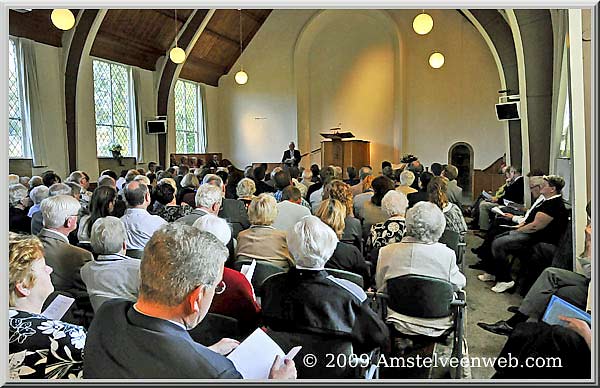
point(176, 33)
point(241, 40)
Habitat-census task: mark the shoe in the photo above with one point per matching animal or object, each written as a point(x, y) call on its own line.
point(500, 327)
point(513, 309)
point(479, 265)
point(486, 277)
point(503, 286)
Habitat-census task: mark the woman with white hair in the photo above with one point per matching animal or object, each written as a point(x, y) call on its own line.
point(18, 221)
point(394, 204)
point(261, 241)
point(237, 300)
point(37, 195)
point(407, 178)
point(245, 191)
point(111, 275)
point(419, 253)
point(307, 299)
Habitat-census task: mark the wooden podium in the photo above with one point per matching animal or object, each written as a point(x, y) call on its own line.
point(338, 152)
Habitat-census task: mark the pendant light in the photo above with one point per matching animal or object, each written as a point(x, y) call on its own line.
point(423, 23)
point(241, 77)
point(177, 54)
point(436, 60)
point(63, 19)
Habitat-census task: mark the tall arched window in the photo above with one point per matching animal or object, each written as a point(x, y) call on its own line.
point(189, 118)
point(17, 144)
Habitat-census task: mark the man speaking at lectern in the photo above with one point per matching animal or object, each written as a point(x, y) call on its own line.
point(292, 156)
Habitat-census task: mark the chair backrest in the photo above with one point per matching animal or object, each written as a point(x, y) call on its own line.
point(214, 327)
point(451, 239)
point(135, 253)
point(321, 347)
point(347, 275)
point(262, 271)
point(420, 296)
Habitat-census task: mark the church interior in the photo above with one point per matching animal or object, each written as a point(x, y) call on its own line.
point(362, 128)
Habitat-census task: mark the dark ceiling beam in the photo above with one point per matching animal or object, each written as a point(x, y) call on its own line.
point(251, 16)
point(76, 51)
point(222, 37)
point(188, 37)
point(135, 44)
point(194, 61)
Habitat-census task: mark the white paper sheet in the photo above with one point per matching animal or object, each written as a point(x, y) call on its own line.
point(248, 270)
point(254, 357)
point(59, 306)
point(498, 211)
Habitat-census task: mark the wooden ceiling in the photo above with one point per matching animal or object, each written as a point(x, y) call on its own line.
point(139, 37)
point(35, 25)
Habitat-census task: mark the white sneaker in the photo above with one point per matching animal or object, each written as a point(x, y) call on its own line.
point(486, 277)
point(503, 286)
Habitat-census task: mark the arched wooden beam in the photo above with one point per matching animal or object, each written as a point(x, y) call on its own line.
point(76, 50)
point(187, 38)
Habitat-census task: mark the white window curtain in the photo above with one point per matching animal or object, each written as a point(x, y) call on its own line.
point(560, 75)
point(33, 117)
point(136, 113)
point(203, 130)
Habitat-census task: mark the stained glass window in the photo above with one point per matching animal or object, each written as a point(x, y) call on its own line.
point(112, 101)
point(16, 140)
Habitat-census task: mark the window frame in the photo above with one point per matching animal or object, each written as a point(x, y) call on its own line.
point(199, 110)
point(131, 151)
point(26, 152)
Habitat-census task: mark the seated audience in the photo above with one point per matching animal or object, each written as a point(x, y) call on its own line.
point(545, 223)
point(436, 169)
point(232, 210)
point(245, 191)
point(307, 299)
point(359, 200)
point(49, 178)
point(56, 189)
point(372, 212)
point(35, 181)
point(139, 224)
point(394, 204)
point(13, 179)
point(346, 256)
point(353, 229)
point(358, 188)
point(170, 211)
point(83, 180)
point(454, 192)
point(102, 205)
point(18, 221)
point(513, 192)
point(437, 190)
point(181, 272)
point(352, 179)
point(111, 275)
point(294, 175)
point(315, 192)
point(105, 180)
point(406, 180)
point(60, 214)
point(37, 195)
point(422, 194)
point(208, 201)
point(315, 173)
point(261, 241)
point(237, 300)
point(259, 181)
point(38, 347)
point(289, 210)
point(419, 253)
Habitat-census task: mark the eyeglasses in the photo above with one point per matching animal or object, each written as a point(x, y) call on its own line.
point(220, 288)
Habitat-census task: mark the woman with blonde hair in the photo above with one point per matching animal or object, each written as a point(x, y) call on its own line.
point(245, 190)
point(353, 230)
point(346, 256)
point(437, 194)
point(39, 347)
point(261, 241)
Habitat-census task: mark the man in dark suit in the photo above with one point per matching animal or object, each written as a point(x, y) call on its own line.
point(60, 218)
point(181, 272)
point(291, 156)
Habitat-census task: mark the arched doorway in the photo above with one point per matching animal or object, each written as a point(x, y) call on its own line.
point(460, 155)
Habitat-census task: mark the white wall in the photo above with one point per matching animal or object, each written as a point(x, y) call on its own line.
point(351, 81)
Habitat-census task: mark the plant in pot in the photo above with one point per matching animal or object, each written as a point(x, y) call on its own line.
point(116, 149)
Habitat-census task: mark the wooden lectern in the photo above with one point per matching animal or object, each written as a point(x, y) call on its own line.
point(335, 151)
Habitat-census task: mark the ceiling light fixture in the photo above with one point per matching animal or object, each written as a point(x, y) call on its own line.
point(62, 19)
point(436, 60)
point(241, 77)
point(177, 54)
point(423, 23)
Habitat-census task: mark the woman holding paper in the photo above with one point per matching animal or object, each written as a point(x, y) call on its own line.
point(38, 347)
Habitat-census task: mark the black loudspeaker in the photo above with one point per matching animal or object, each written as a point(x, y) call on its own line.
point(508, 111)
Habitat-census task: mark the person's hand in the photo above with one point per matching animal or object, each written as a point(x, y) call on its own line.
point(224, 346)
point(283, 371)
point(578, 326)
point(184, 204)
point(508, 215)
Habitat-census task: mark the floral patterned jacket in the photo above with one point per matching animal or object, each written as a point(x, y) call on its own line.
point(42, 348)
